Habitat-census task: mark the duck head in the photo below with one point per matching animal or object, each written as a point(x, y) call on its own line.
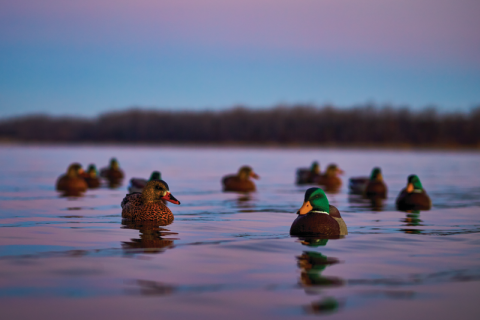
point(376, 174)
point(156, 175)
point(92, 171)
point(157, 190)
point(246, 172)
point(114, 164)
point(315, 200)
point(74, 170)
point(414, 184)
point(315, 168)
point(333, 170)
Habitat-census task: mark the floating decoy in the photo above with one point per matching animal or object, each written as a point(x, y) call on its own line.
point(91, 177)
point(240, 182)
point(413, 197)
point(317, 217)
point(149, 205)
point(373, 187)
point(137, 184)
point(330, 179)
point(113, 172)
point(309, 175)
point(72, 183)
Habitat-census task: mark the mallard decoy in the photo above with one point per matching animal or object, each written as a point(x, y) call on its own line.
point(91, 177)
point(330, 179)
point(317, 217)
point(137, 184)
point(413, 197)
point(149, 205)
point(240, 182)
point(376, 187)
point(72, 182)
point(113, 172)
point(309, 176)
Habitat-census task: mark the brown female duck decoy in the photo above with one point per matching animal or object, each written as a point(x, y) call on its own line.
point(149, 205)
point(240, 182)
point(330, 179)
point(113, 172)
point(137, 184)
point(309, 175)
point(91, 177)
point(317, 217)
point(413, 197)
point(72, 182)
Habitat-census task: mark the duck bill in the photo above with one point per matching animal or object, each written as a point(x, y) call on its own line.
point(410, 188)
point(306, 208)
point(170, 198)
point(254, 175)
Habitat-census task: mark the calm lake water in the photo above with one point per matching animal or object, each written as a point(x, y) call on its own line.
point(229, 255)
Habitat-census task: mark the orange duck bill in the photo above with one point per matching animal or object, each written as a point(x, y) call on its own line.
point(169, 197)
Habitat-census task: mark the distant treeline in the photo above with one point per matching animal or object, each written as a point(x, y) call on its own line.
point(294, 125)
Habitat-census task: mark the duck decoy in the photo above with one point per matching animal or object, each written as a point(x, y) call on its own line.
point(309, 175)
point(376, 187)
point(330, 179)
point(91, 177)
point(413, 197)
point(317, 217)
point(113, 172)
point(72, 182)
point(240, 182)
point(137, 184)
point(149, 205)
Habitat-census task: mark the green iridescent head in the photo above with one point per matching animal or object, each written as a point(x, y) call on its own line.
point(156, 175)
point(318, 200)
point(375, 173)
point(415, 181)
point(92, 170)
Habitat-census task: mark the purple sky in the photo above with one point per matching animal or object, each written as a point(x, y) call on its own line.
point(86, 57)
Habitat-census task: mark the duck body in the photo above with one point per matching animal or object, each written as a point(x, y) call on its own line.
point(134, 208)
point(149, 205)
point(413, 197)
point(330, 179)
point(316, 223)
point(92, 182)
point(138, 184)
point(376, 189)
point(113, 172)
point(358, 185)
point(413, 200)
point(309, 175)
point(241, 181)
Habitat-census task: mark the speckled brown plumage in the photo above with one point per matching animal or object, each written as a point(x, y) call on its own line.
point(149, 205)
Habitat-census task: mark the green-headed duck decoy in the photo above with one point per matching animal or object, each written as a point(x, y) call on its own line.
point(113, 172)
point(72, 182)
point(240, 182)
point(149, 205)
point(413, 197)
point(309, 175)
point(137, 184)
point(91, 177)
point(317, 217)
point(376, 187)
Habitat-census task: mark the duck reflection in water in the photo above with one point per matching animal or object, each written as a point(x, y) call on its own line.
point(359, 201)
point(153, 237)
point(312, 264)
point(412, 220)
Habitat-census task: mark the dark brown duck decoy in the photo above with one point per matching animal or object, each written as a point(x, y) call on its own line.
point(72, 182)
point(137, 184)
point(240, 182)
point(91, 177)
point(376, 187)
point(112, 172)
point(149, 205)
point(309, 175)
point(317, 217)
point(413, 197)
point(330, 179)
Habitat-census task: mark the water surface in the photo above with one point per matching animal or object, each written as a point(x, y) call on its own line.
point(230, 255)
